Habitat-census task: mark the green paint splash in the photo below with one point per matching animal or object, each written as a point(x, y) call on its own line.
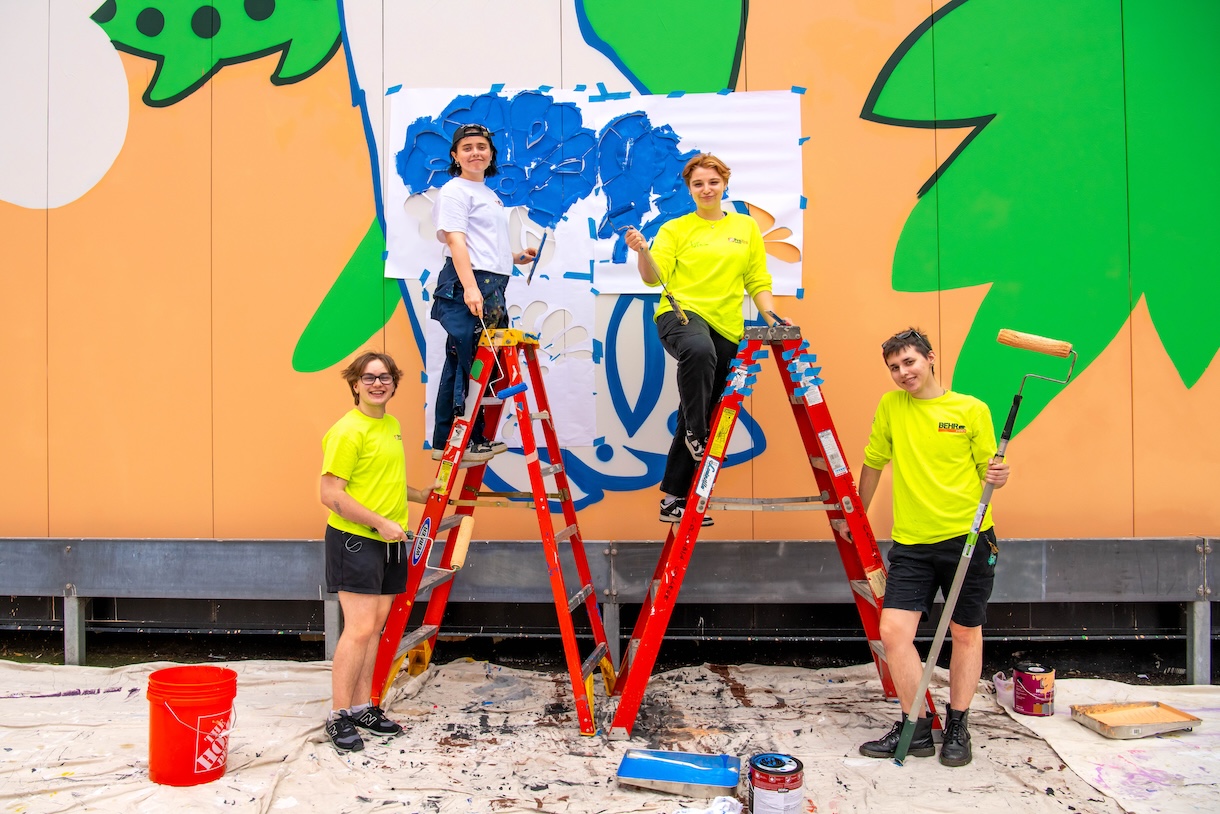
point(1087, 182)
point(192, 41)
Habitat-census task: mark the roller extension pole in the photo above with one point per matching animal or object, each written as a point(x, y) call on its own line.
point(1038, 344)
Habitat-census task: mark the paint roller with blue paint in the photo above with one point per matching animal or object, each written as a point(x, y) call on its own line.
point(511, 390)
point(618, 212)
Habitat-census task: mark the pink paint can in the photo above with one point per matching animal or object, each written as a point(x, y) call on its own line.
point(1033, 689)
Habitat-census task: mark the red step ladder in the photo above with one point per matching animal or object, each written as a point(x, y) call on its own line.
point(839, 499)
point(498, 364)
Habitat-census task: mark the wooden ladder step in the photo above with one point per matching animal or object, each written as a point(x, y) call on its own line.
point(413, 638)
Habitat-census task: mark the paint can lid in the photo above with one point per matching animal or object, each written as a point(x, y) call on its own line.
point(775, 763)
point(1032, 668)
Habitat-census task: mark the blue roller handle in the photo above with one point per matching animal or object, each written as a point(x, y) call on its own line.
point(508, 392)
point(622, 210)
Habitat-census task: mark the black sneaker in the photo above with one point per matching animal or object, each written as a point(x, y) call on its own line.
point(672, 509)
point(342, 733)
point(955, 750)
point(922, 744)
point(477, 453)
point(497, 447)
point(697, 446)
point(373, 719)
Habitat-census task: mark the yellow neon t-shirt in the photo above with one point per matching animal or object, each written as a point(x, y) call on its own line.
point(368, 454)
point(940, 449)
point(707, 265)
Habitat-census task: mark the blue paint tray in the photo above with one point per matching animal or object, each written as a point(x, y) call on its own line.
point(680, 772)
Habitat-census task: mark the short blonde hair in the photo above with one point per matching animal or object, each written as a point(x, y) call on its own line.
point(709, 161)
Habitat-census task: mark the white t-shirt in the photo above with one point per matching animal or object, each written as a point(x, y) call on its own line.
point(470, 207)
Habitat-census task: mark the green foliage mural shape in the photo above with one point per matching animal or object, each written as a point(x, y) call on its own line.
point(669, 45)
point(1086, 183)
point(192, 41)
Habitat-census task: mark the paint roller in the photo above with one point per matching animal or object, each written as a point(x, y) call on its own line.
point(656, 272)
point(1023, 341)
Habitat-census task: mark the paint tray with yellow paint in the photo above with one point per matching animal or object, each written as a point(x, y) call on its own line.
point(1138, 719)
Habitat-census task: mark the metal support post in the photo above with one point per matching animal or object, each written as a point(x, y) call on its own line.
point(74, 628)
point(1199, 642)
point(332, 620)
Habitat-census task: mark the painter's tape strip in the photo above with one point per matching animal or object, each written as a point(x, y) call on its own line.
point(798, 90)
point(393, 89)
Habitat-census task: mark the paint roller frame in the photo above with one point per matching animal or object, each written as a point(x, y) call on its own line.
point(656, 271)
point(1021, 341)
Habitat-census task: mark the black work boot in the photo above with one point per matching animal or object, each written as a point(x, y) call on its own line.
point(955, 750)
point(921, 742)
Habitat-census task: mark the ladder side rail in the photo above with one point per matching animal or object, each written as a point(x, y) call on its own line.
point(387, 664)
point(624, 667)
point(673, 567)
point(546, 528)
point(563, 487)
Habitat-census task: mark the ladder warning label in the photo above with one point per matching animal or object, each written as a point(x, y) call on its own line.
point(833, 457)
point(721, 439)
point(813, 395)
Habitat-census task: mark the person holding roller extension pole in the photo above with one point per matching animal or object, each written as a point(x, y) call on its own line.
point(364, 484)
point(469, 296)
point(943, 448)
point(704, 262)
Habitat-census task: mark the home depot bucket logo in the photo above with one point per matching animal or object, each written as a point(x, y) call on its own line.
point(211, 743)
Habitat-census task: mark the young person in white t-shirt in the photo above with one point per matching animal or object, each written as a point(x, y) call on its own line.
point(471, 222)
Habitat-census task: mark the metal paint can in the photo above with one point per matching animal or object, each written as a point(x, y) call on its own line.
point(1033, 689)
point(776, 783)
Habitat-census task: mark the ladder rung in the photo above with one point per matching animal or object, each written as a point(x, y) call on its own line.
point(862, 587)
point(434, 577)
point(597, 655)
point(566, 533)
point(579, 596)
point(818, 462)
point(517, 495)
point(489, 401)
point(812, 503)
point(505, 504)
point(552, 469)
point(652, 591)
point(541, 415)
point(878, 648)
point(413, 638)
point(449, 522)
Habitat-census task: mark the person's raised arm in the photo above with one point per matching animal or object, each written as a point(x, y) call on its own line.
point(643, 262)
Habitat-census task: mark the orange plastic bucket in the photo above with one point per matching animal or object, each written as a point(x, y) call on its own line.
point(190, 718)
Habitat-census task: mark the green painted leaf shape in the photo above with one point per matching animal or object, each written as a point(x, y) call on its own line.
point(358, 305)
point(669, 45)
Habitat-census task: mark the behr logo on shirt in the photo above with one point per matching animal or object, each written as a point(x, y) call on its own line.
point(737, 240)
point(951, 426)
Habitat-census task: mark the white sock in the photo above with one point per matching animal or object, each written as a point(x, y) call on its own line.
point(356, 709)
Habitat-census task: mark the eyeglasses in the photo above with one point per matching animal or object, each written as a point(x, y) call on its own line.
point(467, 130)
point(370, 379)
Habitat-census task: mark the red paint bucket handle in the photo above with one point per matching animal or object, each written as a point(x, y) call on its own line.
point(222, 734)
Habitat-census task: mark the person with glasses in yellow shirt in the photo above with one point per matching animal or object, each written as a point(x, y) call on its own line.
point(364, 485)
point(708, 260)
point(942, 445)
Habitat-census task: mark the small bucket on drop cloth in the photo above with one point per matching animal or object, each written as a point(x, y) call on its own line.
point(190, 718)
point(776, 784)
point(1033, 689)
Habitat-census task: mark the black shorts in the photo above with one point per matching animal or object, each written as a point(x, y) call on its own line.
point(917, 571)
point(362, 565)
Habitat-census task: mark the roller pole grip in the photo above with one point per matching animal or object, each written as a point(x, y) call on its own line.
point(509, 392)
point(1038, 344)
point(1012, 419)
point(460, 546)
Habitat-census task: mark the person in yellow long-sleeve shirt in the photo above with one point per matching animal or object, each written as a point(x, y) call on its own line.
point(707, 260)
point(942, 445)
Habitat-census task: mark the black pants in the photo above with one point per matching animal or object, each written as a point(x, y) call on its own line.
point(704, 358)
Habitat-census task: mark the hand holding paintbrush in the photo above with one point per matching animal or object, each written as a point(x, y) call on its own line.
point(637, 243)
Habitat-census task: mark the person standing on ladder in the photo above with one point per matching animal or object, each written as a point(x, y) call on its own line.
point(705, 261)
point(472, 223)
point(364, 484)
point(942, 445)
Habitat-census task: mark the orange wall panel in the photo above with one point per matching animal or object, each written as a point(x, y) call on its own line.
point(129, 355)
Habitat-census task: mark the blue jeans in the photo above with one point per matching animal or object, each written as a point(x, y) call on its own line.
point(463, 328)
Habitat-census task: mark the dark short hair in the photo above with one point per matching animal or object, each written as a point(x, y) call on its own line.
point(910, 338)
point(466, 131)
point(352, 373)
